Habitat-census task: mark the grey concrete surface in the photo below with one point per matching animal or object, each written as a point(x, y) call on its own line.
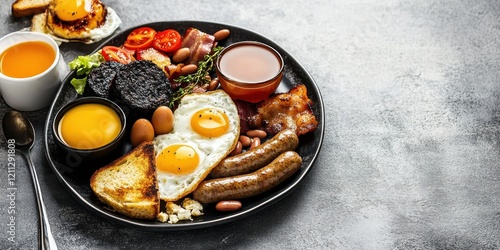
point(410, 157)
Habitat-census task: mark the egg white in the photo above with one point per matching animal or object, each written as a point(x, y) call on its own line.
point(113, 21)
point(190, 104)
point(172, 186)
point(211, 151)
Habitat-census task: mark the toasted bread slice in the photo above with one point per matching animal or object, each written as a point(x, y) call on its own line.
point(38, 22)
point(23, 8)
point(129, 184)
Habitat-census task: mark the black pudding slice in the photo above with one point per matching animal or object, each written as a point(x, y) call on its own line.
point(142, 86)
point(100, 80)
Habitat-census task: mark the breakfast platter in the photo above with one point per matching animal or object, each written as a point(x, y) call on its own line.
point(76, 180)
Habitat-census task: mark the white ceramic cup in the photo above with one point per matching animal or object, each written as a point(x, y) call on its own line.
point(36, 92)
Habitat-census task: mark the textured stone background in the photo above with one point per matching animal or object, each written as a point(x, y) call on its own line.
point(410, 157)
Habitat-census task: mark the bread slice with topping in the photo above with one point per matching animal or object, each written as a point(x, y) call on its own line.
point(129, 185)
point(23, 8)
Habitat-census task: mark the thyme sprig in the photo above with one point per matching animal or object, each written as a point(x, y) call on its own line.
point(205, 67)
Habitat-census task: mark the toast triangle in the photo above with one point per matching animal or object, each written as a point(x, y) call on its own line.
point(129, 184)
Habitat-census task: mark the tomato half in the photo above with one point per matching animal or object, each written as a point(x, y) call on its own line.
point(140, 38)
point(112, 53)
point(167, 41)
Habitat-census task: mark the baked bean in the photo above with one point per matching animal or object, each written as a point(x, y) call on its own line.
point(181, 55)
point(213, 84)
point(245, 141)
point(188, 69)
point(228, 206)
point(221, 34)
point(257, 133)
point(237, 149)
point(255, 142)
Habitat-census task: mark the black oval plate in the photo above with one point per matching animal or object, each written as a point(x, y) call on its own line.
point(309, 147)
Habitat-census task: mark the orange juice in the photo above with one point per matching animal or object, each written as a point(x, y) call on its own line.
point(27, 59)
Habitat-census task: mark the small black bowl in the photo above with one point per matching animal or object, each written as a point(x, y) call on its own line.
point(96, 155)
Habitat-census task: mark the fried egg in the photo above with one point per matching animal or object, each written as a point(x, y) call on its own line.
point(85, 21)
point(206, 129)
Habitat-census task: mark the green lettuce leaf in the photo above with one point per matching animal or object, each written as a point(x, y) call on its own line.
point(79, 84)
point(83, 65)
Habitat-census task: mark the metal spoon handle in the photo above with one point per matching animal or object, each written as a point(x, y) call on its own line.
point(46, 240)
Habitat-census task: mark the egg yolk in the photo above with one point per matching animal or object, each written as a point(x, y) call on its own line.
point(71, 10)
point(89, 126)
point(177, 159)
point(210, 122)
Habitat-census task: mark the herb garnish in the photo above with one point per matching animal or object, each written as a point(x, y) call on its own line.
point(205, 67)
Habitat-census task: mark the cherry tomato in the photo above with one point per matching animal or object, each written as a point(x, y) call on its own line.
point(112, 53)
point(168, 40)
point(140, 38)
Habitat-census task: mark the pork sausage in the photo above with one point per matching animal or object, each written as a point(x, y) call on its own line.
point(257, 157)
point(247, 185)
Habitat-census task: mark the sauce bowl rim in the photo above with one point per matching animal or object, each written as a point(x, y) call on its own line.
point(249, 84)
